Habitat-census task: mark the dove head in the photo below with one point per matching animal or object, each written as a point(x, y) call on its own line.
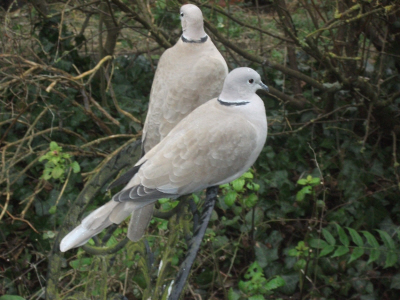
point(192, 22)
point(241, 85)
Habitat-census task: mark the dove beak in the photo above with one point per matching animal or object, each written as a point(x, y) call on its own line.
point(264, 87)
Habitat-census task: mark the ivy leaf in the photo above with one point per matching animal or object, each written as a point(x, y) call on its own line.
point(357, 252)
point(357, 239)
point(328, 236)
point(342, 250)
point(342, 235)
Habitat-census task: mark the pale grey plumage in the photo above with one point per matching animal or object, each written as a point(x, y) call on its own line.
point(188, 74)
point(213, 145)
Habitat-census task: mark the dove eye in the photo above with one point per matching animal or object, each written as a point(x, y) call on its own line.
point(181, 14)
point(251, 80)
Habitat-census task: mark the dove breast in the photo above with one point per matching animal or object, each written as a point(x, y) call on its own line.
point(187, 75)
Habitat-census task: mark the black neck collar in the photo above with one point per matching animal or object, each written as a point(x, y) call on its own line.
point(202, 40)
point(232, 103)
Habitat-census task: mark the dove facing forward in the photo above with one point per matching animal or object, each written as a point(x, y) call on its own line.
point(182, 73)
point(213, 145)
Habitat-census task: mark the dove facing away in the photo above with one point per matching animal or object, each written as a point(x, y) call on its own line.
point(213, 145)
point(182, 74)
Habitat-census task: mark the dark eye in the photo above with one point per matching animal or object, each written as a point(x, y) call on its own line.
point(251, 80)
point(181, 14)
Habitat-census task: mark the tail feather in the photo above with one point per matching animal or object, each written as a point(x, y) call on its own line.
point(112, 212)
point(80, 235)
point(98, 216)
point(140, 219)
point(122, 211)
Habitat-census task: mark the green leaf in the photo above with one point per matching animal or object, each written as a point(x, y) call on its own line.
point(317, 243)
point(55, 160)
point(251, 200)
point(342, 235)
point(315, 181)
point(11, 297)
point(395, 282)
point(293, 252)
point(328, 249)
point(248, 175)
point(302, 193)
point(238, 185)
point(357, 253)
point(256, 187)
point(80, 263)
point(232, 295)
point(175, 260)
point(328, 236)
point(371, 239)
point(275, 283)
point(54, 146)
point(357, 239)
point(342, 250)
point(375, 252)
point(373, 255)
point(387, 240)
point(391, 259)
point(300, 265)
point(302, 181)
point(57, 172)
point(230, 198)
point(53, 209)
point(163, 200)
point(257, 297)
point(76, 168)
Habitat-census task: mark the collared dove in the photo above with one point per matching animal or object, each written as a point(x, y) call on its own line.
point(213, 145)
point(183, 72)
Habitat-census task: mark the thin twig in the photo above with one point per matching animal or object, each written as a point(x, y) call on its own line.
point(20, 219)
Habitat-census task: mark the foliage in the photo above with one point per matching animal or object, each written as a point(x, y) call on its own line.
point(316, 217)
point(256, 286)
point(56, 166)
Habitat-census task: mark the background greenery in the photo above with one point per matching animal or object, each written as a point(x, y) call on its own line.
point(317, 217)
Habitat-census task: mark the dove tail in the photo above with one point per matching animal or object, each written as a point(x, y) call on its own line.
point(112, 212)
point(140, 219)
